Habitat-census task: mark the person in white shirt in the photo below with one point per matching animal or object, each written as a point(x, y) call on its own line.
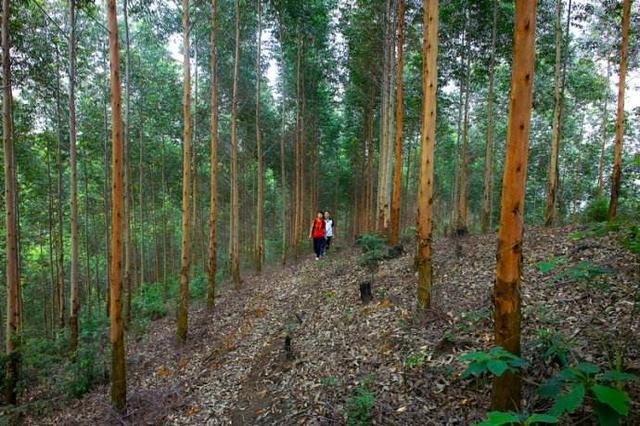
point(330, 226)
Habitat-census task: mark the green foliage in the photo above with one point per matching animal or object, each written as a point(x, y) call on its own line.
point(415, 359)
point(329, 381)
point(596, 210)
point(373, 249)
point(545, 266)
point(631, 239)
point(496, 361)
point(555, 344)
point(359, 407)
point(498, 418)
point(582, 271)
point(602, 390)
point(149, 302)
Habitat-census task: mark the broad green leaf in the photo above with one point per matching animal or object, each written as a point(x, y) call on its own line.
point(588, 367)
point(497, 367)
point(550, 388)
point(618, 376)
point(541, 418)
point(614, 398)
point(498, 418)
point(606, 415)
point(568, 402)
point(474, 369)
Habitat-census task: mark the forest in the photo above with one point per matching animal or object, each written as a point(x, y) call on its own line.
point(466, 171)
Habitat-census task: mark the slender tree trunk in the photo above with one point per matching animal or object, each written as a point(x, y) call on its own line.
point(550, 212)
point(165, 261)
point(235, 208)
point(462, 225)
point(260, 203)
point(11, 222)
point(52, 252)
point(485, 219)
point(74, 303)
point(105, 189)
point(141, 199)
point(394, 234)
point(118, 367)
point(507, 387)
point(60, 234)
point(297, 226)
point(427, 143)
point(128, 246)
point(603, 142)
point(87, 213)
point(617, 153)
point(384, 95)
point(183, 304)
point(213, 196)
point(283, 178)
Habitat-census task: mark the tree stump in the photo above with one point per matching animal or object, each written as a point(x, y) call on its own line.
point(287, 347)
point(365, 292)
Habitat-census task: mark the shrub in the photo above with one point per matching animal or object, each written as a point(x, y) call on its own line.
point(496, 361)
point(359, 407)
point(596, 210)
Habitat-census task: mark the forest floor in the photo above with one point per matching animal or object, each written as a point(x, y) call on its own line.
point(348, 361)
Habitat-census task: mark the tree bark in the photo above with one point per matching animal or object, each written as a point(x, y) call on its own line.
point(550, 211)
point(506, 392)
point(283, 178)
point(118, 367)
point(394, 232)
point(427, 143)
point(235, 208)
point(74, 304)
point(259, 248)
point(60, 218)
point(213, 196)
point(485, 219)
point(11, 223)
point(617, 152)
point(128, 246)
point(603, 141)
point(183, 304)
point(462, 225)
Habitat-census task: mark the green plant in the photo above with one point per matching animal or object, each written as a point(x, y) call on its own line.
point(545, 266)
point(496, 361)
point(498, 418)
point(631, 239)
point(149, 302)
point(415, 359)
point(596, 210)
point(555, 345)
point(359, 406)
point(582, 271)
point(602, 390)
point(330, 380)
point(373, 249)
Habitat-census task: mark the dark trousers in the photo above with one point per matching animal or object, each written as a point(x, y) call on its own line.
point(327, 243)
point(318, 245)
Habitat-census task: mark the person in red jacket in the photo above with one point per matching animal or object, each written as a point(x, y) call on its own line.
point(317, 232)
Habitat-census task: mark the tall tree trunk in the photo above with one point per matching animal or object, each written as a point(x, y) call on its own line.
point(235, 208)
point(141, 198)
point(60, 217)
point(52, 251)
point(213, 196)
point(485, 217)
point(183, 304)
point(297, 226)
point(260, 202)
point(118, 367)
point(11, 223)
point(427, 143)
point(128, 248)
point(74, 305)
point(384, 124)
point(556, 131)
point(617, 153)
point(105, 189)
point(87, 215)
point(165, 284)
point(283, 178)
point(394, 233)
point(507, 387)
point(462, 225)
point(603, 141)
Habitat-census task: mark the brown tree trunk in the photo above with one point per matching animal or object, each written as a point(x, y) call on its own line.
point(213, 196)
point(506, 393)
point(462, 225)
point(128, 243)
point(394, 232)
point(603, 141)
point(283, 178)
point(183, 304)
point(164, 195)
point(259, 254)
point(60, 217)
point(550, 212)
point(118, 367)
point(298, 204)
point(235, 208)
point(617, 153)
point(427, 143)
point(74, 304)
point(105, 189)
point(485, 217)
point(382, 195)
point(11, 223)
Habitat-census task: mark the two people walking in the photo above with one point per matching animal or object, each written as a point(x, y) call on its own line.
point(321, 231)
